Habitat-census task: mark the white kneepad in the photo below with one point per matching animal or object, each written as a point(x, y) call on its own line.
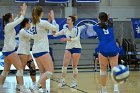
point(102, 73)
point(19, 73)
point(64, 69)
point(49, 74)
point(75, 71)
point(4, 73)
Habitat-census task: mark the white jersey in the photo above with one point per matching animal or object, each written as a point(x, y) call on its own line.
point(9, 35)
point(24, 41)
point(40, 30)
point(74, 34)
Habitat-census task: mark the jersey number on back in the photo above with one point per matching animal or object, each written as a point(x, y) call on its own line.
point(106, 31)
point(33, 30)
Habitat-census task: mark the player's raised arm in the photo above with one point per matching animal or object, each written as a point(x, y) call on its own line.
point(22, 12)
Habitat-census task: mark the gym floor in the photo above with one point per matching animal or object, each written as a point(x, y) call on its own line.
point(88, 82)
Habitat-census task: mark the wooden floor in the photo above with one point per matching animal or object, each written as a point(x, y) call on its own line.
point(89, 82)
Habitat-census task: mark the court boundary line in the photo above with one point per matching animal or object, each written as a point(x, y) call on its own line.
point(69, 86)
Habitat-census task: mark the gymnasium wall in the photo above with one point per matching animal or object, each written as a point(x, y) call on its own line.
point(120, 10)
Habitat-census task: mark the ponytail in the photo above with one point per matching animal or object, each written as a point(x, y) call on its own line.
point(110, 24)
point(103, 25)
point(36, 13)
point(5, 19)
point(3, 22)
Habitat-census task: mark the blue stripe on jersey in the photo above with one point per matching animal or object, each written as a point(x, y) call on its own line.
point(77, 32)
point(27, 31)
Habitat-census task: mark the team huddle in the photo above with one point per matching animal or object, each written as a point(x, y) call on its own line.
point(38, 30)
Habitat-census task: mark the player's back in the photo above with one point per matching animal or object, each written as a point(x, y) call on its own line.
point(106, 39)
point(40, 31)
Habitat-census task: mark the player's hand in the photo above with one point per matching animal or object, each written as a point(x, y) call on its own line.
point(63, 39)
point(49, 17)
point(52, 15)
point(23, 9)
point(53, 32)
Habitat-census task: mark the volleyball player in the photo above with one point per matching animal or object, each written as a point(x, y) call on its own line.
point(107, 48)
point(23, 50)
point(40, 49)
point(10, 56)
point(72, 51)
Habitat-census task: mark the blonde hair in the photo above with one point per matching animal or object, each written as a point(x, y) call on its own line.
point(36, 13)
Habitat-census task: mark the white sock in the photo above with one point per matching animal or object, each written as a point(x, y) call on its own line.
point(63, 79)
point(17, 86)
point(74, 79)
point(44, 90)
point(38, 85)
point(104, 89)
point(116, 87)
point(22, 87)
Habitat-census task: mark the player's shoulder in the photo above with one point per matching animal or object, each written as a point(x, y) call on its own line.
point(43, 21)
point(22, 30)
point(8, 25)
point(96, 26)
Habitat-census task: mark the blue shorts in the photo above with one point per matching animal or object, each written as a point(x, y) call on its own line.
point(36, 55)
point(74, 50)
point(8, 53)
point(109, 54)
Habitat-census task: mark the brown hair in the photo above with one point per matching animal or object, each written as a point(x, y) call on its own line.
point(73, 18)
point(5, 19)
point(24, 22)
point(36, 12)
point(104, 21)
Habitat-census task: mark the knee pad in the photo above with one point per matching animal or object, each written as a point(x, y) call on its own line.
point(64, 69)
point(4, 73)
point(49, 74)
point(19, 73)
point(75, 71)
point(29, 63)
point(102, 73)
point(31, 69)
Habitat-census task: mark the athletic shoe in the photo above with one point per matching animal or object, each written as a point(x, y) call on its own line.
point(24, 90)
point(35, 88)
point(73, 84)
point(103, 90)
point(62, 83)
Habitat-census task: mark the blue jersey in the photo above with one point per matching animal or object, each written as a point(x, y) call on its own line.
point(107, 44)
